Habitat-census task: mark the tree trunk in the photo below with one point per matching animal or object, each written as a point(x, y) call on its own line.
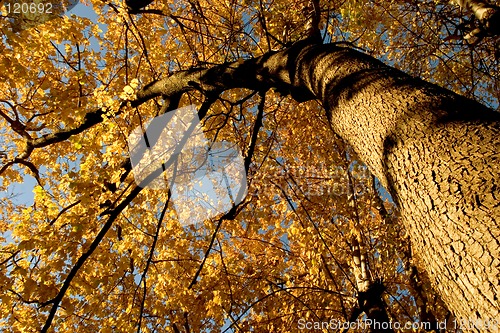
point(437, 153)
point(370, 293)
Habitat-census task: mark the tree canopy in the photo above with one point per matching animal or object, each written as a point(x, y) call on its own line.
point(316, 232)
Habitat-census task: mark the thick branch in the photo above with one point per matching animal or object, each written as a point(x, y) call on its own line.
point(83, 258)
point(261, 73)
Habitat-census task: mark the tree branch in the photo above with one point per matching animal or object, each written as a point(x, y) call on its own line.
point(255, 132)
point(150, 259)
point(487, 13)
point(83, 258)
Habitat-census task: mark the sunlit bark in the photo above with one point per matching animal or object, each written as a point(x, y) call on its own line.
point(437, 153)
point(487, 13)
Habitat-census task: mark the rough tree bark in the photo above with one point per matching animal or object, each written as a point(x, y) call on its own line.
point(437, 153)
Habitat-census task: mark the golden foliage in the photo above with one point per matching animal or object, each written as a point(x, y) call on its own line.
point(287, 253)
